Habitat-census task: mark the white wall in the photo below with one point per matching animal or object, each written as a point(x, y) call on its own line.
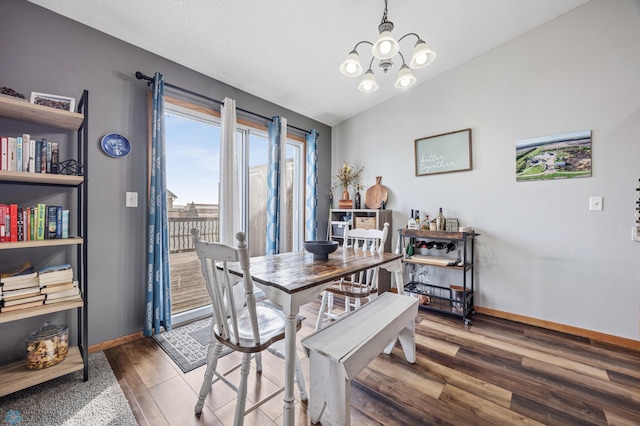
point(541, 254)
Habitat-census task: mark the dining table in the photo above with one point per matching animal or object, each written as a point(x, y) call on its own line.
point(293, 279)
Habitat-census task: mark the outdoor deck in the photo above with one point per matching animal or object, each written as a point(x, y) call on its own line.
point(188, 290)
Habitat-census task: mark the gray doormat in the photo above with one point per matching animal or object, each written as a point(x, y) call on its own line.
point(187, 344)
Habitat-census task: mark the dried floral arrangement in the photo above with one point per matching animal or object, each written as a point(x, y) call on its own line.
point(347, 175)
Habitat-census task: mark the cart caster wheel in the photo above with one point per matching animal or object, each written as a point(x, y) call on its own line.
point(467, 321)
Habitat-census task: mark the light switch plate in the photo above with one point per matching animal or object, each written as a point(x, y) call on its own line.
point(595, 203)
point(131, 199)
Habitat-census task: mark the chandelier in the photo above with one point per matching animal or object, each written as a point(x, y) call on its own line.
point(384, 49)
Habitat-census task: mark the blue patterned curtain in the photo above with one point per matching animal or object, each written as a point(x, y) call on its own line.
point(311, 213)
point(158, 297)
point(275, 176)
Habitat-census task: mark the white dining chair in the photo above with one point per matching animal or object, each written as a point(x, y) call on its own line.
point(244, 326)
point(358, 287)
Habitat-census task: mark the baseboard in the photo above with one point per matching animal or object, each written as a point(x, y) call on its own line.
point(115, 342)
point(594, 335)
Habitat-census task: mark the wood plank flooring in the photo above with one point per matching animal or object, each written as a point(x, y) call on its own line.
point(493, 372)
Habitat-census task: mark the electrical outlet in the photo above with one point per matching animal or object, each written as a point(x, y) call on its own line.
point(595, 203)
point(131, 199)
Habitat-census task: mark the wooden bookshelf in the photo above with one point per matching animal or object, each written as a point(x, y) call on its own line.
point(42, 243)
point(21, 110)
point(40, 178)
point(17, 376)
point(39, 310)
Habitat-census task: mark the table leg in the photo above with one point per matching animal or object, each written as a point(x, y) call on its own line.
point(290, 354)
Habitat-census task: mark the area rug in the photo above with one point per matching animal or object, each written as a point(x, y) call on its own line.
point(187, 344)
point(68, 400)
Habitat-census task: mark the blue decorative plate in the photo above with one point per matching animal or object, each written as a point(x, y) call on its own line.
point(116, 146)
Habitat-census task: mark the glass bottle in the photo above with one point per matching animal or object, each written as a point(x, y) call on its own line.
point(412, 221)
point(425, 222)
point(440, 221)
point(418, 219)
point(357, 200)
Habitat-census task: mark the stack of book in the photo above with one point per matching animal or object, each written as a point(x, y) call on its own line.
point(57, 285)
point(20, 289)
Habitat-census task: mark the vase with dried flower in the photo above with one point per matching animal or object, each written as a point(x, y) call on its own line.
point(346, 176)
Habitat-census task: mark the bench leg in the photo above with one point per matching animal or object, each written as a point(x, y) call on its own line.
point(329, 390)
point(407, 339)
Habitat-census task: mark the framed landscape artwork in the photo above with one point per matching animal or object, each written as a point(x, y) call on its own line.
point(563, 156)
point(444, 153)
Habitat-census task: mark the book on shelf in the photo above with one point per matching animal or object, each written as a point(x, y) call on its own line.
point(65, 223)
point(43, 156)
point(13, 222)
point(18, 153)
point(19, 294)
point(3, 228)
point(41, 219)
point(20, 224)
point(21, 306)
point(63, 299)
point(18, 285)
point(63, 293)
point(26, 151)
point(55, 157)
point(11, 154)
point(55, 278)
point(48, 165)
point(4, 147)
point(35, 298)
point(54, 268)
point(32, 156)
point(24, 269)
point(38, 157)
point(54, 288)
point(52, 221)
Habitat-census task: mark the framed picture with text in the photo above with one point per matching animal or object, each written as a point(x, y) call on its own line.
point(444, 153)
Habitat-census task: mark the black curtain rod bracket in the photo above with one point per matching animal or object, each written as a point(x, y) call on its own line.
point(141, 76)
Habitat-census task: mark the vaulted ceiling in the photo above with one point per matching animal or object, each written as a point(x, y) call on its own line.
point(289, 51)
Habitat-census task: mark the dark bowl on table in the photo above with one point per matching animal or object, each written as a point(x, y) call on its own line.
point(320, 248)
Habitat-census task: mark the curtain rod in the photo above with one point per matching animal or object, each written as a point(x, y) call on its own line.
point(149, 80)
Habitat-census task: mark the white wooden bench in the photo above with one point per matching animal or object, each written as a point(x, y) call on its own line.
point(338, 352)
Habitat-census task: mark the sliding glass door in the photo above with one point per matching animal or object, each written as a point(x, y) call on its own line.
point(193, 175)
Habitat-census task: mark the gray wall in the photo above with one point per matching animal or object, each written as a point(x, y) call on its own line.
point(44, 52)
point(541, 254)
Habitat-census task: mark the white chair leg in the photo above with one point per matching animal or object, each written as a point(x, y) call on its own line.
point(299, 377)
point(213, 353)
point(238, 420)
point(321, 313)
point(258, 358)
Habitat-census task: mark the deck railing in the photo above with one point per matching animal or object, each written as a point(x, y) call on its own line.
point(180, 239)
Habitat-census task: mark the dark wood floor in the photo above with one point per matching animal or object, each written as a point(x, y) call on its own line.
point(493, 372)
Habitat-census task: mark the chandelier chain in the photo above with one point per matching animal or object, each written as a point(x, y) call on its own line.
point(384, 14)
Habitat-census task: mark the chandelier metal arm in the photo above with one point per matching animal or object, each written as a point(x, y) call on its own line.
point(361, 42)
point(407, 35)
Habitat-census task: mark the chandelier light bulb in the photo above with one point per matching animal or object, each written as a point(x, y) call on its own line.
point(405, 77)
point(351, 66)
point(386, 46)
point(422, 55)
point(368, 83)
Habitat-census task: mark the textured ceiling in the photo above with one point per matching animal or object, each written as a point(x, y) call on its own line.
point(289, 51)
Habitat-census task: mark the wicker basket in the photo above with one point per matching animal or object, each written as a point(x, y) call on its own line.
point(366, 223)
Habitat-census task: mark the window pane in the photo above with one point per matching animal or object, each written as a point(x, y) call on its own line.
point(258, 158)
point(192, 165)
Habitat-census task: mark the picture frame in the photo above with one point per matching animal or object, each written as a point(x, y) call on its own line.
point(443, 153)
point(64, 103)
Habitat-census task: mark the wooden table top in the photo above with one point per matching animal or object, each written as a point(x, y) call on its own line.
point(297, 271)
